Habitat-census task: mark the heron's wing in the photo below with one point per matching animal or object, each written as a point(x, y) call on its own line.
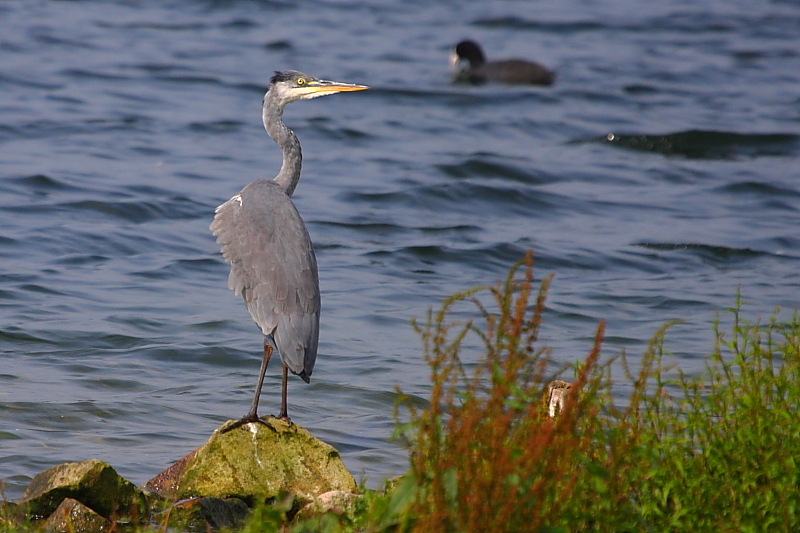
point(274, 268)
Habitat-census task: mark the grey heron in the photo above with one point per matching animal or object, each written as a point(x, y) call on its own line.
point(517, 71)
point(267, 244)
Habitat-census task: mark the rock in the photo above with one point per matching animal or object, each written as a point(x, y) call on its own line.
point(256, 464)
point(165, 484)
point(74, 517)
point(93, 483)
point(200, 514)
point(155, 502)
point(557, 391)
point(336, 501)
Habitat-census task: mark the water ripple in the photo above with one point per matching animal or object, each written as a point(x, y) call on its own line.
point(220, 127)
point(760, 189)
point(715, 253)
point(699, 144)
point(136, 211)
point(477, 167)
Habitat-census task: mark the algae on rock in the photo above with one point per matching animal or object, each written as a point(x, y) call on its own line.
point(338, 502)
point(72, 516)
point(255, 463)
point(94, 483)
point(204, 514)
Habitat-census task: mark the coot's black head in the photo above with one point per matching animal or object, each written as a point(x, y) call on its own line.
point(471, 51)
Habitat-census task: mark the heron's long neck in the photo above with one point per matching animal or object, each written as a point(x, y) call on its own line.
point(289, 175)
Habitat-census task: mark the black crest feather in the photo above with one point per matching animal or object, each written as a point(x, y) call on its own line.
point(288, 75)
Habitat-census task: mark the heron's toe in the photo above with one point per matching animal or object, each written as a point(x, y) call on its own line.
point(247, 420)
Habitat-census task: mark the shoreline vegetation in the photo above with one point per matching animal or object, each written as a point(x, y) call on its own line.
point(717, 451)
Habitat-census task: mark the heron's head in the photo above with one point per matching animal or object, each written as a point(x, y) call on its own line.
point(289, 85)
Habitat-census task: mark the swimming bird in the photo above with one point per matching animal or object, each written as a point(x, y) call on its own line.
point(264, 239)
point(517, 71)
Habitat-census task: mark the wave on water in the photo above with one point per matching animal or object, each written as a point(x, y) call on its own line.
point(42, 183)
point(147, 25)
point(217, 127)
point(519, 23)
point(481, 167)
point(135, 203)
point(279, 46)
point(700, 144)
point(684, 22)
point(708, 252)
point(19, 79)
point(135, 211)
point(43, 129)
point(762, 189)
point(485, 257)
point(467, 196)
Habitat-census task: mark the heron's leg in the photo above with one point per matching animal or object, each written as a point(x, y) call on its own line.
point(252, 416)
point(283, 414)
point(264, 362)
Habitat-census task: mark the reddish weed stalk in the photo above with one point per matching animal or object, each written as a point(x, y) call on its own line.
point(486, 455)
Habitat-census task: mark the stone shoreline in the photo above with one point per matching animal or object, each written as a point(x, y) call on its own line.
point(214, 486)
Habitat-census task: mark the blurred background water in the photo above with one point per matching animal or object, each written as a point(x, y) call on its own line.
point(657, 176)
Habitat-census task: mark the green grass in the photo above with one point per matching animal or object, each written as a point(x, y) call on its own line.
point(717, 451)
point(711, 452)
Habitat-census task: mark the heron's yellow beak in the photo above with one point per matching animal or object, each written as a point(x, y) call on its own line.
point(317, 88)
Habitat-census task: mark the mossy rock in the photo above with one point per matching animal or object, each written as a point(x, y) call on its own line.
point(74, 517)
point(203, 514)
point(257, 464)
point(338, 502)
point(94, 483)
point(164, 486)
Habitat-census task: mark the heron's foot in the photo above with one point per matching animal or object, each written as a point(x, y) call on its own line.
point(285, 417)
point(249, 419)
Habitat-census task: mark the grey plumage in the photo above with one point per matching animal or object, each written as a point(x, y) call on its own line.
point(274, 268)
point(264, 239)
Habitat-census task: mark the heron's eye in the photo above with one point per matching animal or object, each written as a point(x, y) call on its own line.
point(301, 81)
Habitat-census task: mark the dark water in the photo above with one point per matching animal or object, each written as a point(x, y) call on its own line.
point(660, 173)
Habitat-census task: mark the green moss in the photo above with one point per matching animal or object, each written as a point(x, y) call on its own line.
point(72, 516)
point(255, 464)
point(94, 483)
